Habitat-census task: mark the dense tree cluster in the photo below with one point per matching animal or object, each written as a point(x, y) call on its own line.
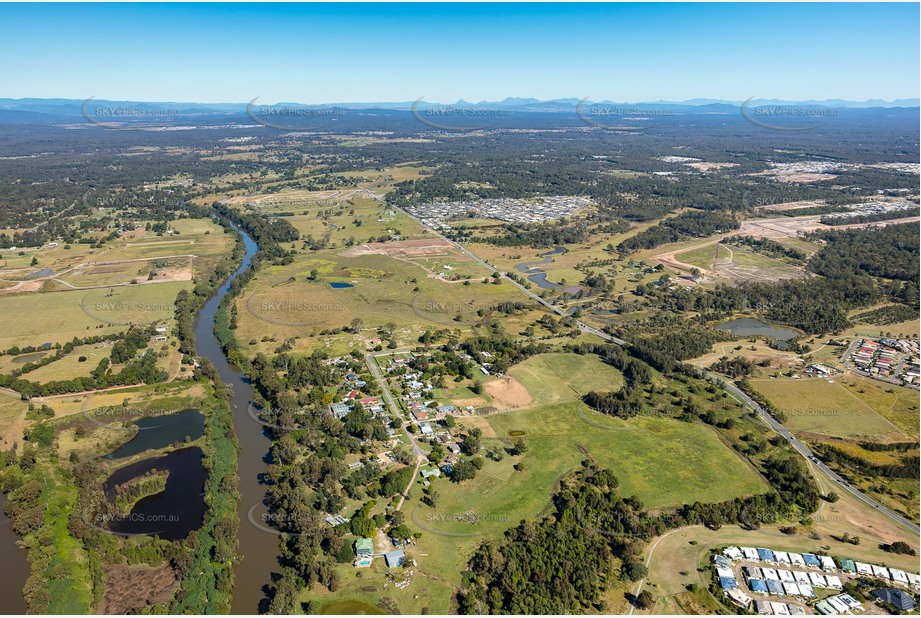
point(690, 224)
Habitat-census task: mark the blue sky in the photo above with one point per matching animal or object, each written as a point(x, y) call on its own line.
point(319, 53)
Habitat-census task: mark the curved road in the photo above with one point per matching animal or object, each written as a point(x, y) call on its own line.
point(731, 388)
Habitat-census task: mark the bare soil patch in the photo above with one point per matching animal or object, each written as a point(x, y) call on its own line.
point(508, 392)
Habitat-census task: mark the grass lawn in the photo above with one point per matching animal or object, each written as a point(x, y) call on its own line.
point(831, 409)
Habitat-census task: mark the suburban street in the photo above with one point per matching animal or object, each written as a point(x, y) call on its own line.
point(732, 389)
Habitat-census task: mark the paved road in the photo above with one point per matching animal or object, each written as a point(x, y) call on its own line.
point(728, 386)
point(395, 412)
point(805, 452)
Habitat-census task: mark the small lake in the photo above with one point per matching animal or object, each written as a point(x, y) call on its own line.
point(538, 276)
point(45, 272)
point(750, 327)
point(160, 431)
point(173, 513)
point(33, 357)
point(338, 285)
point(350, 607)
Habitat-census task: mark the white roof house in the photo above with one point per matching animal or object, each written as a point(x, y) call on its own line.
point(750, 553)
point(805, 591)
point(797, 560)
point(834, 582)
point(880, 571)
point(818, 580)
point(780, 609)
point(837, 604)
point(785, 576)
point(800, 577)
point(723, 572)
point(863, 568)
point(790, 589)
point(770, 574)
point(828, 563)
point(899, 576)
point(733, 552)
point(781, 557)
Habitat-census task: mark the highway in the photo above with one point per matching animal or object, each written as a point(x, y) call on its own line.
point(728, 386)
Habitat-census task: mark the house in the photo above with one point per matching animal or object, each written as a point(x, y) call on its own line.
point(818, 580)
point(770, 574)
point(825, 609)
point(812, 560)
point(785, 576)
point(364, 552)
point(728, 583)
point(724, 572)
point(431, 472)
point(828, 563)
point(394, 558)
point(801, 577)
point(780, 609)
point(734, 553)
point(833, 582)
point(722, 561)
point(797, 560)
point(454, 448)
point(880, 571)
point(898, 599)
point(738, 597)
point(863, 568)
point(763, 608)
point(766, 555)
point(161, 329)
point(339, 410)
point(899, 576)
point(847, 565)
point(774, 586)
point(758, 585)
point(805, 591)
point(781, 557)
point(750, 553)
point(420, 414)
point(753, 572)
point(790, 589)
point(426, 429)
point(838, 605)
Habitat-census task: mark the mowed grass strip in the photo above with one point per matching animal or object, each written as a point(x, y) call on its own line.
point(827, 408)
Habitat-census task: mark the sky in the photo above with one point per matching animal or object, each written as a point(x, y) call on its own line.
point(325, 53)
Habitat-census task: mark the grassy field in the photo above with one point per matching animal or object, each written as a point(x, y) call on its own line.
point(817, 406)
point(281, 302)
point(57, 313)
point(563, 376)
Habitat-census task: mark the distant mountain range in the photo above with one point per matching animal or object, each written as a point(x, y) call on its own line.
point(38, 110)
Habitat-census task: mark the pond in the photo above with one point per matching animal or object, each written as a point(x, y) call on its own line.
point(751, 327)
point(45, 272)
point(160, 431)
point(33, 357)
point(173, 513)
point(538, 276)
point(338, 285)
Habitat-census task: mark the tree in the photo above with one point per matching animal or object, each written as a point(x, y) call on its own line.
point(470, 443)
point(645, 600)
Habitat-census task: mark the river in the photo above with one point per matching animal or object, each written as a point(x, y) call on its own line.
point(15, 567)
point(259, 549)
